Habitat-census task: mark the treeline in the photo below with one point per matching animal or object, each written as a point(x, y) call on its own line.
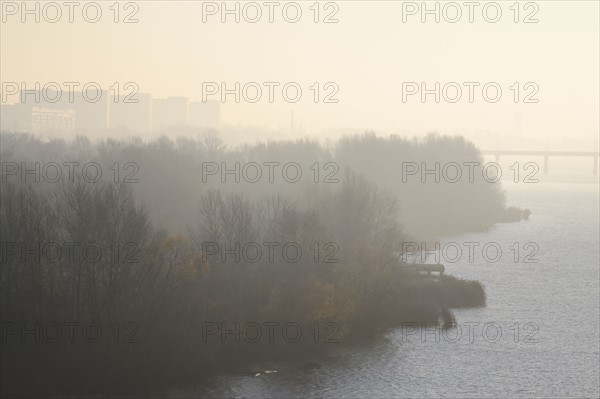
point(79, 257)
point(177, 172)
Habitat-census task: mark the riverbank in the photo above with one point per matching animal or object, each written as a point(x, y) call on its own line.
point(138, 367)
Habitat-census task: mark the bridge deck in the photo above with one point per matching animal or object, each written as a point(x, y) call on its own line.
point(543, 153)
point(546, 155)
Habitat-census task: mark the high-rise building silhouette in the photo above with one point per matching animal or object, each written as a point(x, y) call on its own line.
point(134, 116)
point(204, 114)
point(39, 112)
point(169, 112)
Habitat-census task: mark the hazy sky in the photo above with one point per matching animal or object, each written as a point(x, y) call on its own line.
point(369, 53)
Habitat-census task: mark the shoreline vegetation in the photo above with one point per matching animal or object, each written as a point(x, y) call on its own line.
point(171, 290)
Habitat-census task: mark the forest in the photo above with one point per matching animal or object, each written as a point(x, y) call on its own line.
point(151, 262)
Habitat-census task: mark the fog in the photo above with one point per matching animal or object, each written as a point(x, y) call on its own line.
point(368, 53)
point(262, 199)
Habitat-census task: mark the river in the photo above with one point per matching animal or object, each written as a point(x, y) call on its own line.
point(538, 336)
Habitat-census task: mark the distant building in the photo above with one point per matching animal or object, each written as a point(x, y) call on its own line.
point(15, 117)
point(52, 119)
point(204, 114)
point(169, 112)
point(36, 118)
point(132, 116)
point(98, 111)
point(92, 116)
point(91, 111)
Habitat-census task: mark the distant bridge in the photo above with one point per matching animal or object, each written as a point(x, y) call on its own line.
point(546, 154)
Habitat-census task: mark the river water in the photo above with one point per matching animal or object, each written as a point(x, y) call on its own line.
point(537, 337)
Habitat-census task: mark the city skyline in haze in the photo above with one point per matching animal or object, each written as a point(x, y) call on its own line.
point(359, 72)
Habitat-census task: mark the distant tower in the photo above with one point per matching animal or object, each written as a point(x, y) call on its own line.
point(292, 123)
point(596, 156)
point(497, 148)
point(546, 155)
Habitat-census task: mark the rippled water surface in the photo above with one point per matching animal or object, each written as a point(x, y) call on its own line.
point(547, 313)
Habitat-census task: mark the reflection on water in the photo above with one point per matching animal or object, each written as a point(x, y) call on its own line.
point(537, 337)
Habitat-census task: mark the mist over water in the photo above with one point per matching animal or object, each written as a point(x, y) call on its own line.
point(558, 295)
point(289, 199)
